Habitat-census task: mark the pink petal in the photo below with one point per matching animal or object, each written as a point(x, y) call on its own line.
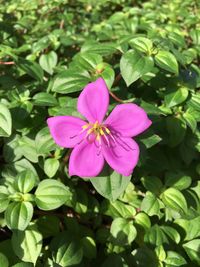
point(128, 119)
point(65, 130)
point(85, 160)
point(122, 155)
point(94, 100)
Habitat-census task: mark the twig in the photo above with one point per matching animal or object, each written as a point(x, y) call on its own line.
point(66, 157)
point(62, 24)
point(7, 63)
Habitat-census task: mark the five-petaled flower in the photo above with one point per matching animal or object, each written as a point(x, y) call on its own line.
point(99, 140)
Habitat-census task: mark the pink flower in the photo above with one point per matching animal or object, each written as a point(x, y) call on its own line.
point(99, 140)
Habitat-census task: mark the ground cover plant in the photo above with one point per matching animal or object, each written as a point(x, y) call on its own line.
point(147, 55)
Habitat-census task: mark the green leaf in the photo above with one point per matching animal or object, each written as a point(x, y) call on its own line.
point(31, 68)
point(174, 199)
point(172, 233)
point(51, 194)
point(155, 236)
point(3, 261)
point(142, 44)
point(44, 99)
point(192, 249)
point(27, 244)
point(113, 260)
point(177, 180)
point(28, 149)
point(44, 142)
point(89, 247)
point(167, 61)
point(174, 259)
point(176, 96)
point(110, 184)
point(18, 215)
point(118, 209)
point(23, 264)
point(150, 204)
point(5, 121)
point(51, 166)
point(25, 181)
point(152, 184)
point(66, 250)
point(190, 227)
point(87, 60)
point(4, 198)
point(48, 61)
point(71, 80)
point(123, 231)
point(143, 220)
point(133, 66)
point(190, 120)
point(176, 129)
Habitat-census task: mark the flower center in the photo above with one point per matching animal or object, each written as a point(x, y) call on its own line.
point(96, 129)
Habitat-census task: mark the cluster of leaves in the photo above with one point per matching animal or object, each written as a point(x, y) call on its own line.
point(148, 53)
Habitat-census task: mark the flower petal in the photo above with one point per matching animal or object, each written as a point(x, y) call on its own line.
point(85, 161)
point(128, 119)
point(65, 130)
point(94, 100)
point(122, 155)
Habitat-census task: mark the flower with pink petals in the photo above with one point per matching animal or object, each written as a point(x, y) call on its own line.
point(97, 140)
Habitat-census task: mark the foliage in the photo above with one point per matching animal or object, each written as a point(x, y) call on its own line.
point(148, 53)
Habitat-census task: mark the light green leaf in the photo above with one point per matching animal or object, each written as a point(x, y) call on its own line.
point(51, 166)
point(167, 61)
point(48, 61)
point(25, 181)
point(174, 259)
point(51, 194)
point(143, 220)
point(4, 198)
point(5, 121)
point(176, 96)
point(123, 231)
point(18, 215)
point(192, 249)
point(174, 199)
point(27, 244)
point(142, 44)
point(150, 204)
point(110, 184)
point(133, 66)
